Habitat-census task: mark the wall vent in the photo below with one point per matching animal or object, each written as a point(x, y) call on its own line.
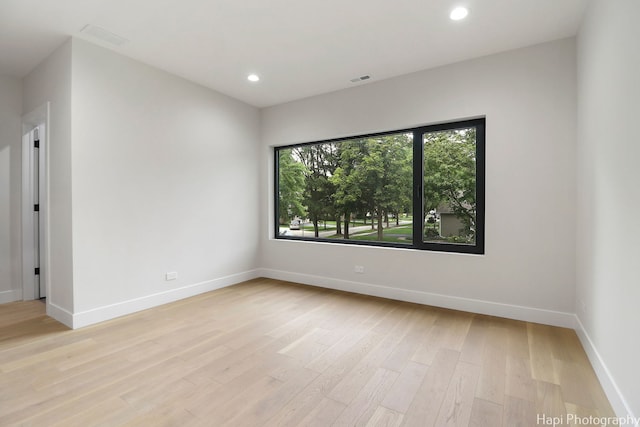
point(103, 35)
point(359, 79)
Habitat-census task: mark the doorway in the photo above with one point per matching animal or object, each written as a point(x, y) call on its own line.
point(34, 206)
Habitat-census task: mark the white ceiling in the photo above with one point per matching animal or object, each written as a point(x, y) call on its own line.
point(298, 47)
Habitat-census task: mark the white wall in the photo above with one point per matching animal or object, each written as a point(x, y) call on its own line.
point(51, 82)
point(529, 99)
point(10, 179)
point(608, 291)
point(164, 180)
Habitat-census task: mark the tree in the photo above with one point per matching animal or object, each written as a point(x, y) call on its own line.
point(347, 193)
point(450, 174)
point(291, 187)
point(395, 179)
point(319, 163)
point(374, 175)
point(399, 183)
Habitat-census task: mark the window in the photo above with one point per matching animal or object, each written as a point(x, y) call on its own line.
point(420, 188)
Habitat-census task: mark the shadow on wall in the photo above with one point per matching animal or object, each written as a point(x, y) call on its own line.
point(5, 220)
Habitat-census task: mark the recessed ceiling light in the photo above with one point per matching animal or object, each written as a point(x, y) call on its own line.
point(253, 77)
point(459, 13)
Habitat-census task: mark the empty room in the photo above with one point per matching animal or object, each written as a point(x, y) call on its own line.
point(286, 213)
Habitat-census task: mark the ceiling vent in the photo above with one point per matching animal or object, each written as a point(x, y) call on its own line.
point(103, 35)
point(360, 79)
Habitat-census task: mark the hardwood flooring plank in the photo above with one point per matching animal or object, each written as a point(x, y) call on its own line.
point(518, 381)
point(449, 331)
point(351, 384)
point(458, 402)
point(485, 414)
point(384, 417)
point(324, 414)
point(99, 411)
point(491, 384)
point(517, 339)
point(404, 389)
point(295, 410)
point(267, 405)
point(473, 347)
point(519, 412)
point(549, 402)
point(427, 401)
point(421, 323)
point(541, 353)
point(360, 410)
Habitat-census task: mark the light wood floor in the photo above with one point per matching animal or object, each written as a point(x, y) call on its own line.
point(269, 353)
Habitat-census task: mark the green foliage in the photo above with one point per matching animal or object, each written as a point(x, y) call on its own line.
point(374, 175)
point(450, 175)
point(348, 195)
point(291, 179)
point(320, 162)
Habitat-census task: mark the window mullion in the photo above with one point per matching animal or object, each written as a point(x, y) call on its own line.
point(418, 196)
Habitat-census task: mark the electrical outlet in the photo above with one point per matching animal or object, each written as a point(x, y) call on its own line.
point(583, 306)
point(358, 269)
point(171, 275)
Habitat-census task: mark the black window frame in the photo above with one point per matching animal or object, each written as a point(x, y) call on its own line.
point(417, 191)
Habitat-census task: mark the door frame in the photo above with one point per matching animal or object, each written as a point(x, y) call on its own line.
point(37, 118)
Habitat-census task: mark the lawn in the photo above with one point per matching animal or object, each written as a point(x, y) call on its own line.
point(321, 227)
point(331, 225)
point(401, 234)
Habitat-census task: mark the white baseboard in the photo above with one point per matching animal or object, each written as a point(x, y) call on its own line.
point(517, 312)
point(60, 314)
point(108, 312)
point(617, 400)
point(10, 296)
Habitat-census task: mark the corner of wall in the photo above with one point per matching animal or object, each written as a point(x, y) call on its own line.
point(49, 83)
